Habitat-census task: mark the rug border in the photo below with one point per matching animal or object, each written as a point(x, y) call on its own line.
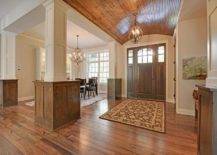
point(164, 118)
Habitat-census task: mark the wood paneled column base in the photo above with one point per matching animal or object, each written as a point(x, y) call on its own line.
point(8, 92)
point(207, 133)
point(56, 103)
point(114, 89)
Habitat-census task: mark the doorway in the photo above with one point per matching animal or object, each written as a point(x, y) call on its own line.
point(146, 72)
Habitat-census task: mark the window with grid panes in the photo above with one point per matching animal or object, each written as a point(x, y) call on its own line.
point(145, 55)
point(98, 65)
point(161, 54)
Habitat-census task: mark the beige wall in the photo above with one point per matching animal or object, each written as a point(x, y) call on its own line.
point(191, 42)
point(121, 57)
point(25, 62)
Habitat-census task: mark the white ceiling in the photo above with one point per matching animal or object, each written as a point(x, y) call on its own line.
point(8, 5)
point(86, 39)
point(192, 9)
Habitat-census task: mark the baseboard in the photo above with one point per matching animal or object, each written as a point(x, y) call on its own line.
point(169, 100)
point(185, 112)
point(26, 98)
point(124, 96)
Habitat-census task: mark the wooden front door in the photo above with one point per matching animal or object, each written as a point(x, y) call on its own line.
point(146, 72)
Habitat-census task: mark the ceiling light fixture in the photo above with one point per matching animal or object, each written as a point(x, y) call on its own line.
point(77, 55)
point(136, 32)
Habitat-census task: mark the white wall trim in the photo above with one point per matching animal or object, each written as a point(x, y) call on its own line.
point(31, 37)
point(170, 100)
point(26, 98)
point(211, 82)
point(185, 112)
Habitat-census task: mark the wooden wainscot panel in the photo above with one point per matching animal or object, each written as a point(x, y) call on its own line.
point(114, 89)
point(57, 103)
point(9, 92)
point(207, 133)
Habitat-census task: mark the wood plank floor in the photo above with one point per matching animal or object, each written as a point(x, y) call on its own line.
point(91, 135)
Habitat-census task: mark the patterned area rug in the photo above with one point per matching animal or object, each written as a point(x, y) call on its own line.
point(141, 113)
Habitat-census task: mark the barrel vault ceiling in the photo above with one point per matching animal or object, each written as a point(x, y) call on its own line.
point(116, 17)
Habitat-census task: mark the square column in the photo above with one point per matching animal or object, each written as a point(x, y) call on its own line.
point(211, 80)
point(40, 60)
point(8, 55)
point(55, 40)
point(8, 82)
point(57, 101)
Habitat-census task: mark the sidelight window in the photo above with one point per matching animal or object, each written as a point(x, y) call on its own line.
point(130, 57)
point(161, 53)
point(145, 55)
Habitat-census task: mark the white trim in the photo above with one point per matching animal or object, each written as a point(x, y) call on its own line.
point(31, 37)
point(185, 112)
point(26, 98)
point(170, 100)
point(211, 82)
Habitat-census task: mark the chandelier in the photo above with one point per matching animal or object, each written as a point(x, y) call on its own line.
point(77, 55)
point(136, 32)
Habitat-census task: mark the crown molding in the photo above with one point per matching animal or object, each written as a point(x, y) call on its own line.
point(31, 37)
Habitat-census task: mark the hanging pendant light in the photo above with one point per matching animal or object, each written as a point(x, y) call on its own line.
point(136, 32)
point(77, 55)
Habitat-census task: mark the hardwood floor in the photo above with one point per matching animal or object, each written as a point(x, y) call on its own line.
point(92, 135)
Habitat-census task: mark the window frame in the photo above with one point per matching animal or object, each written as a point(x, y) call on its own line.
point(130, 57)
point(99, 61)
point(161, 54)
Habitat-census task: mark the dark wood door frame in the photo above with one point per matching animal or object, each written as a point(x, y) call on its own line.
point(131, 71)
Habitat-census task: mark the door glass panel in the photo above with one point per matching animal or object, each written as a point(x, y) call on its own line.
point(145, 56)
point(150, 52)
point(139, 59)
point(140, 53)
point(145, 59)
point(144, 51)
point(150, 60)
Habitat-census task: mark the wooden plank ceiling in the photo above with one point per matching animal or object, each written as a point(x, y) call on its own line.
point(116, 17)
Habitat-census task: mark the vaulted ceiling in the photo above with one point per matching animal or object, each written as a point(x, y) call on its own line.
point(116, 17)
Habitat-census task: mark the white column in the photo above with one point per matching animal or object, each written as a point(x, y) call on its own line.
point(8, 55)
point(112, 59)
point(211, 80)
point(39, 65)
point(55, 40)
